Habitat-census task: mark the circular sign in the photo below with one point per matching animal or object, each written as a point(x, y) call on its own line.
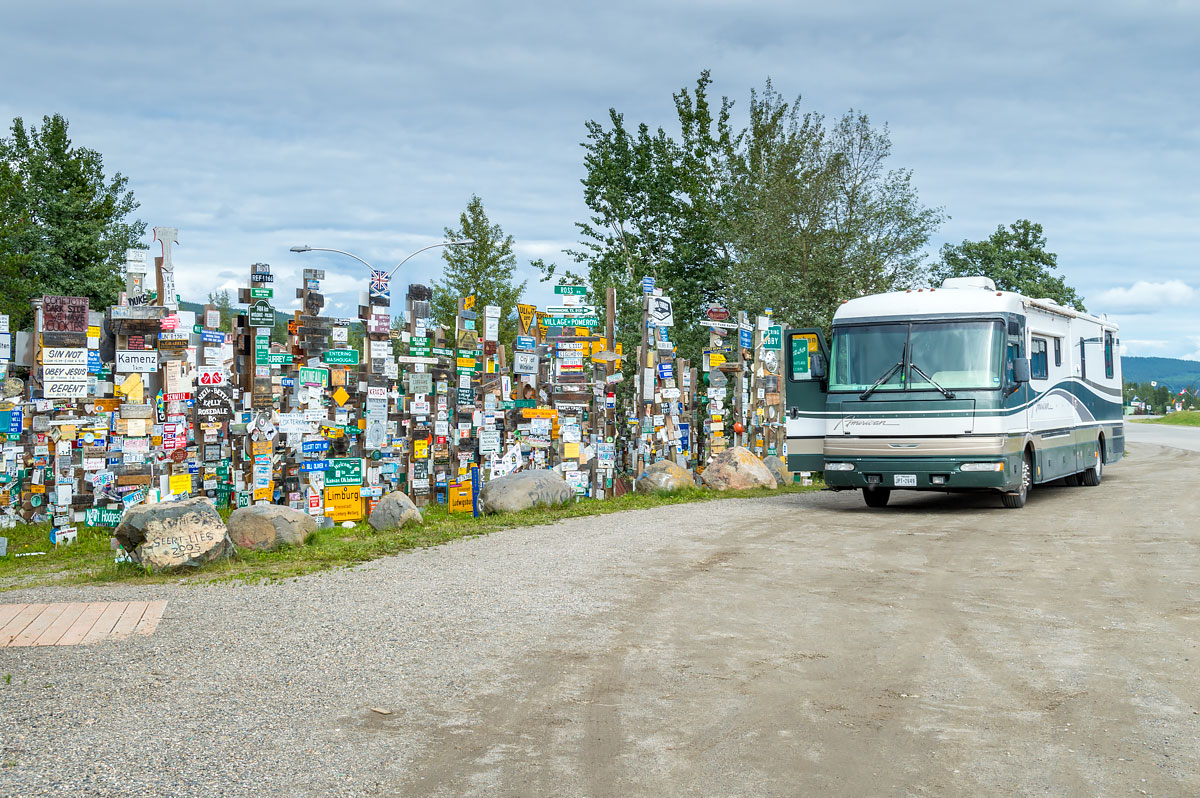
point(179, 455)
point(717, 313)
point(376, 455)
point(89, 437)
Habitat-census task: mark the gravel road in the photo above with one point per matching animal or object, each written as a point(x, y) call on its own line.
point(802, 645)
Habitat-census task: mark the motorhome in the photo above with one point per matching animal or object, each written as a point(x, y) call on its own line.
point(956, 388)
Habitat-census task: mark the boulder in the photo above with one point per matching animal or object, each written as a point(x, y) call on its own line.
point(524, 489)
point(266, 527)
point(777, 468)
point(665, 475)
point(394, 511)
point(737, 469)
point(170, 535)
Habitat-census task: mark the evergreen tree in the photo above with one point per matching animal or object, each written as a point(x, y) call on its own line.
point(64, 226)
point(485, 269)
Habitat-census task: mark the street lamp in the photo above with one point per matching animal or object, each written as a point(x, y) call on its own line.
point(306, 248)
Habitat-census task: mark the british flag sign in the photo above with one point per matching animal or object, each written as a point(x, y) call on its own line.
point(379, 286)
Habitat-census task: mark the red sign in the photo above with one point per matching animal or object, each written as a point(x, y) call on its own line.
point(176, 397)
point(717, 313)
point(210, 375)
point(179, 455)
point(170, 322)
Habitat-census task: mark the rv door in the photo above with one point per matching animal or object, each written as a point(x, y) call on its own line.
point(806, 378)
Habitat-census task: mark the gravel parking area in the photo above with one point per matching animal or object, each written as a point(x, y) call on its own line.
point(795, 645)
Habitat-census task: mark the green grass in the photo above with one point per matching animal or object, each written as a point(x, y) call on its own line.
point(1186, 418)
point(90, 561)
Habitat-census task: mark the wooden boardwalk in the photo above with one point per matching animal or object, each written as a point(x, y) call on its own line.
point(70, 624)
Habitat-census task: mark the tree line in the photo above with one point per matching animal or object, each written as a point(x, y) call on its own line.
point(793, 212)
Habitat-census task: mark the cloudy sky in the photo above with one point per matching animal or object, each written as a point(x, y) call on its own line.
point(366, 126)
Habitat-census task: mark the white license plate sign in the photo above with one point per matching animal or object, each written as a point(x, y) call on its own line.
point(905, 480)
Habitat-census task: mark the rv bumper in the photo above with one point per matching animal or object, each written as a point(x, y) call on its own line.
point(995, 472)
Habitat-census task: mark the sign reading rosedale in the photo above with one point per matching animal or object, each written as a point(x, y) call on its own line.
point(214, 403)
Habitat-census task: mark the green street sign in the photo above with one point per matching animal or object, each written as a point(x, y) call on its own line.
point(262, 314)
point(197, 328)
point(420, 351)
point(340, 357)
point(571, 290)
point(102, 516)
point(262, 293)
point(278, 359)
point(512, 404)
point(572, 321)
point(443, 351)
point(773, 338)
point(419, 340)
point(314, 376)
point(344, 471)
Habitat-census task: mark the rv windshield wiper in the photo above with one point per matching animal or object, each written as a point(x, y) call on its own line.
point(887, 375)
point(928, 379)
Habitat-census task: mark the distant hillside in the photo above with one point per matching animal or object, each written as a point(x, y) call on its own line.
point(1169, 371)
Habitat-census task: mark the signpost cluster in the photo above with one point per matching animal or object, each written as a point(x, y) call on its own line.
point(144, 401)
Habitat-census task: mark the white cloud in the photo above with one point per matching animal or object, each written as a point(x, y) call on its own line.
point(1194, 355)
point(1135, 347)
point(1145, 297)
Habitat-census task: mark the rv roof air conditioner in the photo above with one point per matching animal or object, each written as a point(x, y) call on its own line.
point(969, 282)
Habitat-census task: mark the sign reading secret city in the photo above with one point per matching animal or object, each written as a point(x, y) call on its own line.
point(344, 471)
point(262, 314)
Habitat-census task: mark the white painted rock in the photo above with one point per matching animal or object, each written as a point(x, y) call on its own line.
point(266, 527)
point(170, 535)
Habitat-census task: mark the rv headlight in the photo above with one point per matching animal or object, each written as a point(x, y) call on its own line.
point(839, 466)
point(981, 467)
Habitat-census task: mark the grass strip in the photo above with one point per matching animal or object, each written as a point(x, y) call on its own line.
point(90, 560)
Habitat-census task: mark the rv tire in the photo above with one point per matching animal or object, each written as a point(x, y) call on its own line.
point(1092, 476)
point(1015, 500)
point(877, 497)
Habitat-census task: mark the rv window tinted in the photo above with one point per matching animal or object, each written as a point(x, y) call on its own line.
point(1039, 366)
point(863, 354)
point(956, 354)
point(1057, 352)
point(1108, 354)
point(1082, 361)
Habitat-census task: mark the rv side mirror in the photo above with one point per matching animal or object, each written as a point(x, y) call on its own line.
point(817, 365)
point(1021, 370)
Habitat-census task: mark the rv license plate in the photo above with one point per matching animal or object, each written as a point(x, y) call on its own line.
point(905, 480)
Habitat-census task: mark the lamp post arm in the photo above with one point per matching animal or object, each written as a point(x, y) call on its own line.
point(422, 249)
point(341, 252)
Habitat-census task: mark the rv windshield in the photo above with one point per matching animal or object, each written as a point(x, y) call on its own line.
point(957, 355)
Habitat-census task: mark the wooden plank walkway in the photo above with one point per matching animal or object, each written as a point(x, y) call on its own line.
point(75, 623)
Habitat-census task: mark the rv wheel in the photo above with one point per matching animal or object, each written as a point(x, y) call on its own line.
point(1016, 499)
point(1092, 476)
point(877, 497)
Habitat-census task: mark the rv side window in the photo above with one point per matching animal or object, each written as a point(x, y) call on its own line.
point(1108, 354)
point(1082, 361)
point(1057, 352)
point(1039, 367)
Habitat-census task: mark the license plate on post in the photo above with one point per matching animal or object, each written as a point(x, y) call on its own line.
point(905, 480)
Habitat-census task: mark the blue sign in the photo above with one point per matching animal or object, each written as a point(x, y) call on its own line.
point(212, 337)
point(746, 338)
point(315, 465)
point(526, 342)
point(15, 420)
point(666, 371)
point(288, 382)
point(475, 480)
point(647, 285)
point(312, 447)
point(94, 362)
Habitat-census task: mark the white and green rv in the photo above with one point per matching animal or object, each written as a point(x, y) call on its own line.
point(957, 388)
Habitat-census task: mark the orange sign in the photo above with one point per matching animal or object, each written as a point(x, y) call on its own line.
point(539, 412)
